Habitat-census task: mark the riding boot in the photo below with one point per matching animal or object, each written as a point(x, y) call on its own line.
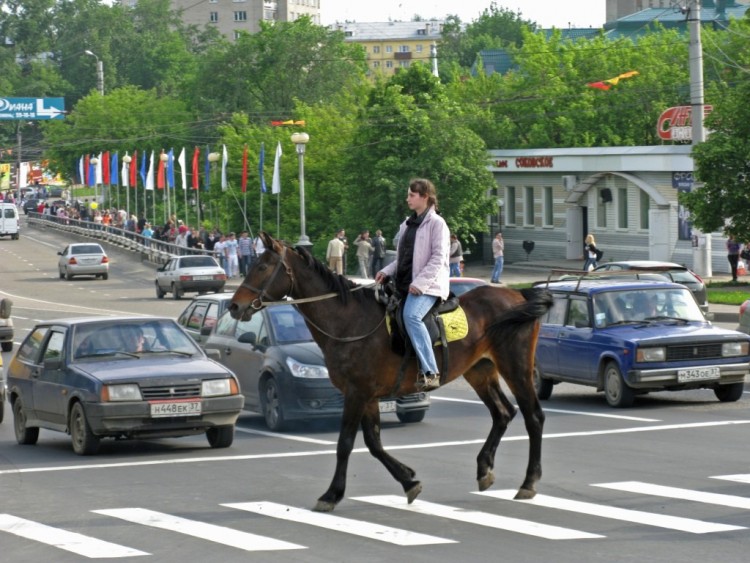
point(428, 381)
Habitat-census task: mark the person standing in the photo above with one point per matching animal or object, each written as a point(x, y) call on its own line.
point(231, 249)
point(342, 237)
point(364, 249)
point(421, 273)
point(335, 254)
point(456, 256)
point(220, 253)
point(378, 252)
point(498, 246)
point(245, 246)
point(590, 252)
point(733, 255)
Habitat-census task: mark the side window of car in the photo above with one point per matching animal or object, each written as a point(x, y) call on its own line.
point(256, 324)
point(54, 348)
point(29, 350)
point(225, 326)
point(578, 314)
point(556, 314)
point(211, 315)
point(185, 317)
point(196, 316)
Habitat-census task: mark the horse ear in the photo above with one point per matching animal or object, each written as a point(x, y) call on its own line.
point(268, 242)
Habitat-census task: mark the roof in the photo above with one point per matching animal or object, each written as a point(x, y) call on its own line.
point(590, 286)
point(74, 321)
point(385, 31)
point(648, 264)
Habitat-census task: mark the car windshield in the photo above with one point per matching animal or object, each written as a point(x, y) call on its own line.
point(197, 262)
point(86, 249)
point(288, 325)
point(639, 305)
point(130, 339)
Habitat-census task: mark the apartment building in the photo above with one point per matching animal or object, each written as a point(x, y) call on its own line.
point(231, 17)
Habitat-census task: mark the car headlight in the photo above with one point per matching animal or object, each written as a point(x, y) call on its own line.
point(651, 354)
point(307, 371)
point(122, 392)
point(218, 387)
point(735, 349)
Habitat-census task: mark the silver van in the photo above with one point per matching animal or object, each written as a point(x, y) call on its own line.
point(9, 222)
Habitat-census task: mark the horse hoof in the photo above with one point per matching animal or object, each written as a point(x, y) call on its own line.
point(324, 506)
point(413, 493)
point(486, 481)
point(525, 494)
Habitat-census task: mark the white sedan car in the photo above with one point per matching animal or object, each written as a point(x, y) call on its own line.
point(189, 273)
point(83, 259)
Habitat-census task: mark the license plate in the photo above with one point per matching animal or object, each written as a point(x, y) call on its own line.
point(175, 408)
point(203, 277)
point(387, 406)
point(698, 374)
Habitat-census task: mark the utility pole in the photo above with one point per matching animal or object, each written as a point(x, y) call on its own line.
point(701, 241)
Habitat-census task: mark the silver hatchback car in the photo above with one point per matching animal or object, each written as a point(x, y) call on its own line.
point(83, 259)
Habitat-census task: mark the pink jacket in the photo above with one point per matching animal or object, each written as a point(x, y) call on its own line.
point(430, 269)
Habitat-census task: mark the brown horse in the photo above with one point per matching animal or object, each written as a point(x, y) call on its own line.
point(348, 325)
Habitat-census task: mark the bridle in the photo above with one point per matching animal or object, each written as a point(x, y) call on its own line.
point(259, 303)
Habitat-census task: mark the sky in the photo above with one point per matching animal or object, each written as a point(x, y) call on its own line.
point(546, 13)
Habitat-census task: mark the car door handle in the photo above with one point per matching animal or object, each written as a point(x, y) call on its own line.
point(228, 351)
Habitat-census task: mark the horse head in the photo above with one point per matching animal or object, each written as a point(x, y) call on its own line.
point(270, 279)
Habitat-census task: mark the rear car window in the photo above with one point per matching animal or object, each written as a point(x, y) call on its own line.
point(87, 249)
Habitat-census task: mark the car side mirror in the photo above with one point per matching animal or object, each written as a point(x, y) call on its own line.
point(206, 330)
point(60, 253)
point(52, 364)
point(213, 354)
point(709, 316)
point(248, 338)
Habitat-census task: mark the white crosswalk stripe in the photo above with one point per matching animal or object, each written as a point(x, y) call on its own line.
point(349, 526)
point(736, 478)
point(210, 532)
point(682, 494)
point(636, 516)
point(63, 539)
point(479, 518)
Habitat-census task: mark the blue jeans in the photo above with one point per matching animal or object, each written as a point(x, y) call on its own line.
point(498, 269)
point(455, 269)
point(589, 261)
point(415, 308)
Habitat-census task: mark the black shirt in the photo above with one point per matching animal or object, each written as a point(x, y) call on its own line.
point(406, 253)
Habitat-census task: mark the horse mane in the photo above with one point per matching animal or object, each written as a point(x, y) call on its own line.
point(335, 283)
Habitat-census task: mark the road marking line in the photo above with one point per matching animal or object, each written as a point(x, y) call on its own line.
point(614, 513)
point(285, 436)
point(562, 411)
point(479, 518)
point(177, 460)
point(677, 493)
point(202, 530)
point(737, 478)
point(369, 530)
point(63, 539)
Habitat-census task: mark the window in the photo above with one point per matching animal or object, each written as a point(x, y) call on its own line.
point(388, 64)
point(376, 64)
point(601, 209)
point(388, 49)
point(510, 205)
point(578, 314)
point(528, 206)
point(622, 208)
point(240, 16)
point(30, 347)
point(556, 314)
point(547, 210)
point(213, 17)
point(376, 49)
point(419, 48)
point(645, 205)
point(403, 64)
point(403, 49)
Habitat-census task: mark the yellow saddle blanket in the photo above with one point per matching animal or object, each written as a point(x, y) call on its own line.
point(455, 322)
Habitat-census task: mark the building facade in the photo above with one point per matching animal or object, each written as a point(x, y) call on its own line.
point(231, 17)
point(627, 197)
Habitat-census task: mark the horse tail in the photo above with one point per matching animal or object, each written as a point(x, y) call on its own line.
point(538, 302)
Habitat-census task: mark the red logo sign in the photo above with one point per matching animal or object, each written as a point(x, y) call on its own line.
point(676, 124)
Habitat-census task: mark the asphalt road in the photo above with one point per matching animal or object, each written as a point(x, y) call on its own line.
point(666, 480)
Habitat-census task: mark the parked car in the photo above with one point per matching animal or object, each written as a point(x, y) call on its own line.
point(83, 259)
point(188, 274)
point(31, 205)
point(6, 324)
point(126, 377)
point(675, 272)
point(55, 191)
point(282, 372)
point(459, 286)
point(632, 337)
point(202, 313)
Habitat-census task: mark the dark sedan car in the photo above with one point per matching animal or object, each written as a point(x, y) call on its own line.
point(282, 372)
point(121, 378)
point(674, 272)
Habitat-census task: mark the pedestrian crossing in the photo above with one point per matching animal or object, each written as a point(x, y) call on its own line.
point(497, 516)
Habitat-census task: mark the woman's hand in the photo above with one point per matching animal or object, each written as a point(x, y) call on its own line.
point(414, 290)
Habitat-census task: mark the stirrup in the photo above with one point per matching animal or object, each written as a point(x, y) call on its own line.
point(428, 381)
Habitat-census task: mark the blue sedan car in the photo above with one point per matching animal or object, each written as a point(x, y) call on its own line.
point(631, 337)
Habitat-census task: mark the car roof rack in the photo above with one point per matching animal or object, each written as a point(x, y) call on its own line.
point(579, 276)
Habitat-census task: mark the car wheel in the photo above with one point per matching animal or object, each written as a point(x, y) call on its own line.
point(273, 412)
point(62, 275)
point(105, 276)
point(159, 292)
point(542, 386)
point(85, 442)
point(220, 290)
point(7, 346)
point(411, 416)
point(616, 391)
point(24, 435)
point(729, 393)
point(220, 436)
point(68, 276)
point(176, 293)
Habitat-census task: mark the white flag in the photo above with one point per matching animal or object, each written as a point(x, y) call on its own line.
point(125, 174)
point(224, 159)
point(150, 174)
point(276, 183)
point(99, 177)
point(183, 171)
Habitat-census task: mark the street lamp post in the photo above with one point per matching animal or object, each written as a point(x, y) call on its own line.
point(94, 161)
point(127, 159)
point(300, 140)
point(99, 72)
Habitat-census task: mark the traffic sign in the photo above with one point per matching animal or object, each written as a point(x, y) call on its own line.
point(32, 108)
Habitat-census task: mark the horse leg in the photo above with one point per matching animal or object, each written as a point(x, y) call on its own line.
point(484, 379)
point(353, 408)
point(402, 473)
